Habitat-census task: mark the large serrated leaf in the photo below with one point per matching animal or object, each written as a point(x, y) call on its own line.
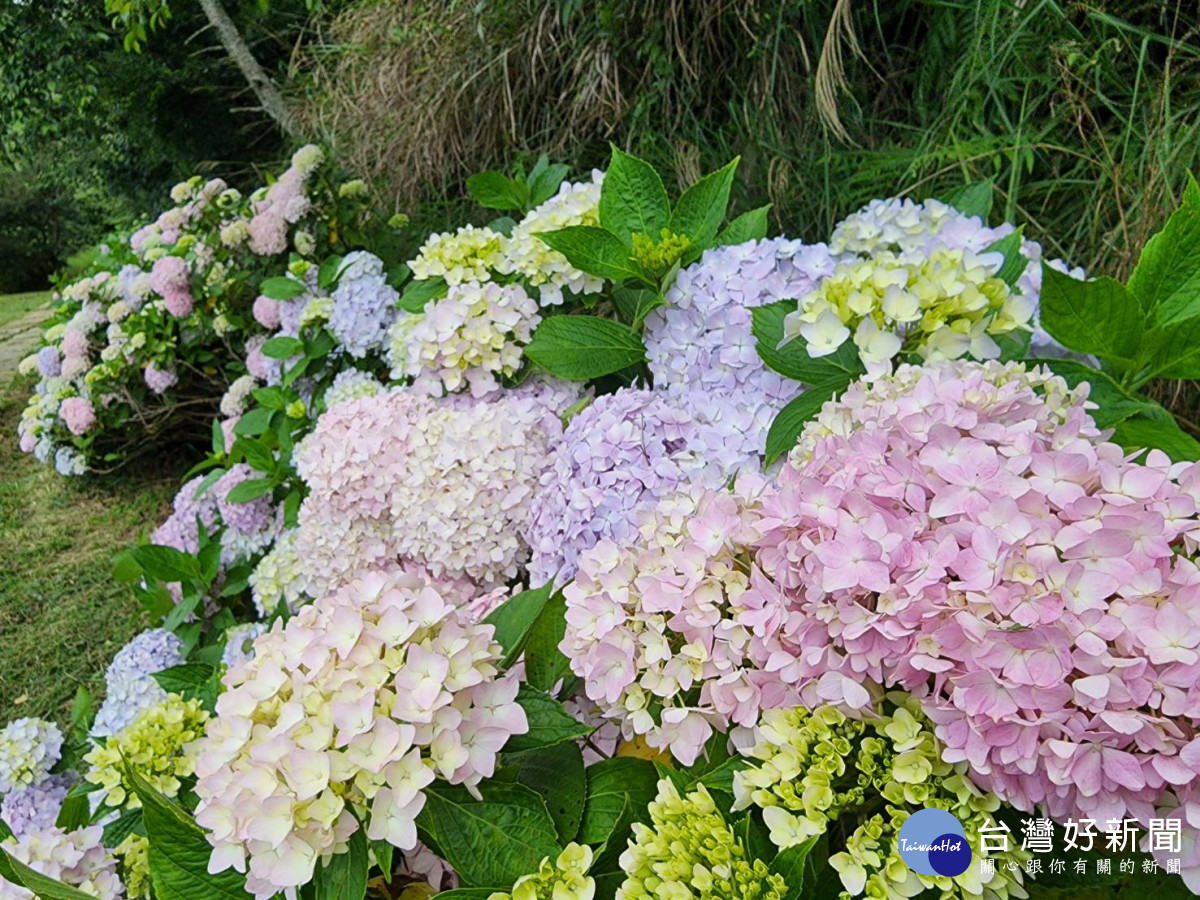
point(1098, 317)
point(580, 348)
point(701, 210)
point(633, 199)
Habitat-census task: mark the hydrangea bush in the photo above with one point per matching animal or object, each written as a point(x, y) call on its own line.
point(609, 549)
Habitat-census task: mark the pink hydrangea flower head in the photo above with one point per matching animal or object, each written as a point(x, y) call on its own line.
point(78, 414)
point(266, 313)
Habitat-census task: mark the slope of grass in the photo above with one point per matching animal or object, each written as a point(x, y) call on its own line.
point(14, 306)
point(61, 617)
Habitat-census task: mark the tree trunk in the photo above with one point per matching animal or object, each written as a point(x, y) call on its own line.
point(264, 88)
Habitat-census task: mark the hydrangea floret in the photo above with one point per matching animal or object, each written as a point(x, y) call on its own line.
point(565, 879)
point(689, 851)
point(359, 702)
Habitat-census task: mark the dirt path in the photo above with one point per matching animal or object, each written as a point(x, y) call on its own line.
point(18, 339)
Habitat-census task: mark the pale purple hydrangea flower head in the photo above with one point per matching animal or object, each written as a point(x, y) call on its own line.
point(364, 305)
point(49, 363)
point(159, 380)
point(620, 456)
point(189, 513)
point(35, 808)
point(129, 685)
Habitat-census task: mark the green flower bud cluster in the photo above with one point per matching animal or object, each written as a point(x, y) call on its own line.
point(156, 745)
point(816, 767)
point(567, 879)
point(657, 257)
point(690, 852)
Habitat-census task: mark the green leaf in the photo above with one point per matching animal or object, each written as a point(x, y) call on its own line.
point(250, 489)
point(1166, 281)
point(271, 397)
point(186, 680)
point(720, 777)
point(166, 563)
point(282, 347)
point(792, 359)
point(5, 831)
point(580, 348)
point(254, 422)
point(330, 271)
point(610, 781)
point(1015, 263)
point(557, 774)
point(633, 199)
point(344, 877)
point(545, 664)
point(15, 871)
point(790, 864)
point(1140, 432)
point(491, 841)
point(545, 184)
point(218, 437)
point(1098, 317)
point(179, 852)
point(382, 851)
point(790, 420)
point(593, 250)
point(515, 617)
point(1171, 351)
point(635, 303)
point(973, 199)
point(120, 828)
point(549, 722)
point(494, 190)
point(418, 294)
point(749, 226)
point(606, 864)
point(701, 209)
point(126, 569)
point(75, 811)
point(472, 893)
point(281, 288)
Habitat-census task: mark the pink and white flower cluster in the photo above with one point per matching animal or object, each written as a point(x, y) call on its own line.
point(963, 532)
point(444, 483)
point(469, 338)
point(665, 629)
point(360, 702)
point(283, 204)
point(78, 859)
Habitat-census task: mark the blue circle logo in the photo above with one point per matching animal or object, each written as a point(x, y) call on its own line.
point(932, 842)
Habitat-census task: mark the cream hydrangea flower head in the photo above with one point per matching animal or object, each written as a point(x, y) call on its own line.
point(526, 254)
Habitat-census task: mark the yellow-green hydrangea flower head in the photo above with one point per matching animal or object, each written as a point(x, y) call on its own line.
point(158, 745)
point(942, 305)
point(468, 254)
point(814, 766)
point(566, 879)
point(134, 853)
point(690, 852)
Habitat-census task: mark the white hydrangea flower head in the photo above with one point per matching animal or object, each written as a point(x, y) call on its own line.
point(351, 384)
point(279, 577)
point(526, 254)
point(308, 159)
point(345, 714)
point(29, 748)
point(76, 858)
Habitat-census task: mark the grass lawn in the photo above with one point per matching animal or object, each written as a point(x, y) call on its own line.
point(61, 617)
point(13, 306)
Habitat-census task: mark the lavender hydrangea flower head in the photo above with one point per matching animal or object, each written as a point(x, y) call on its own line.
point(190, 512)
point(48, 362)
point(239, 643)
point(129, 685)
point(620, 456)
point(158, 380)
point(364, 305)
point(351, 384)
point(703, 338)
point(35, 808)
point(249, 526)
